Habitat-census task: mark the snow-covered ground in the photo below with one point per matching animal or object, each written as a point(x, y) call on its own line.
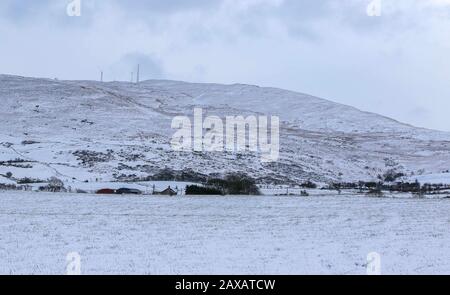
point(443, 178)
point(222, 235)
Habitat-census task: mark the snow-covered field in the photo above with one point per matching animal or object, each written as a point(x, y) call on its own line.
point(443, 178)
point(222, 235)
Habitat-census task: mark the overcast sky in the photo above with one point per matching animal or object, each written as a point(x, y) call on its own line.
point(396, 64)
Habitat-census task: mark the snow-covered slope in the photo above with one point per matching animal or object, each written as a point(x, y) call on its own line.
point(85, 130)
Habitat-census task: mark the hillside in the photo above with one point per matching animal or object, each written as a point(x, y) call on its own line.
point(91, 131)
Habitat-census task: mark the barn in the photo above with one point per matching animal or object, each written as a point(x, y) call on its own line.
point(167, 192)
point(106, 191)
point(128, 191)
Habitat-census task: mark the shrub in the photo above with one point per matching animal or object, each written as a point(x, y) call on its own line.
point(201, 190)
point(28, 142)
point(304, 194)
point(235, 184)
point(8, 187)
point(54, 185)
point(392, 176)
point(371, 184)
point(27, 180)
point(309, 184)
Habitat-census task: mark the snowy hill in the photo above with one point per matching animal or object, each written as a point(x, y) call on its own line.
point(91, 131)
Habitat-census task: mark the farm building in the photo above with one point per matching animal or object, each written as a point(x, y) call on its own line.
point(128, 191)
point(167, 192)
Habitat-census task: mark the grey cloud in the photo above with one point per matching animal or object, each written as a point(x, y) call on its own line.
point(152, 6)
